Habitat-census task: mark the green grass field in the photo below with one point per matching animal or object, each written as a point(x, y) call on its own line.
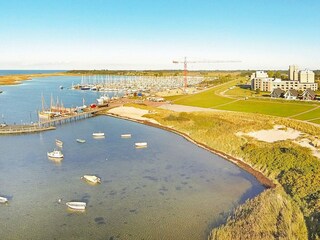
point(268, 108)
point(231, 98)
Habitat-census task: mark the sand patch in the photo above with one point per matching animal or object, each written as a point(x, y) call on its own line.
point(282, 133)
point(131, 112)
point(305, 142)
point(278, 133)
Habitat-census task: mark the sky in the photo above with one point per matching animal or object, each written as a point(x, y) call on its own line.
point(150, 34)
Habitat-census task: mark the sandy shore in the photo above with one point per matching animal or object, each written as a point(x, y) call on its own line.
point(131, 112)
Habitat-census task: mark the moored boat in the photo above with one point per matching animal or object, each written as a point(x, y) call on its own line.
point(126, 135)
point(59, 143)
point(98, 134)
point(3, 200)
point(55, 154)
point(91, 178)
point(77, 205)
point(141, 144)
point(80, 140)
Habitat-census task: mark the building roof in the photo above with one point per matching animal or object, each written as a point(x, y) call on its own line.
point(292, 92)
point(277, 91)
point(310, 92)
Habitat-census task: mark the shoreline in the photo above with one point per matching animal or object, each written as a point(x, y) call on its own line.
point(261, 178)
point(15, 79)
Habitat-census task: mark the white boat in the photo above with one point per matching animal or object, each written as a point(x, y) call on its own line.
point(77, 205)
point(80, 140)
point(141, 144)
point(3, 200)
point(59, 143)
point(55, 154)
point(127, 135)
point(98, 134)
point(91, 178)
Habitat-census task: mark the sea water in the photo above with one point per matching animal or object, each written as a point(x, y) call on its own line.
point(170, 190)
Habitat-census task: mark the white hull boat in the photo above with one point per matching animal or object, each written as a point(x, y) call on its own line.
point(127, 135)
point(98, 134)
point(59, 143)
point(55, 154)
point(3, 200)
point(91, 178)
point(141, 145)
point(77, 205)
point(80, 140)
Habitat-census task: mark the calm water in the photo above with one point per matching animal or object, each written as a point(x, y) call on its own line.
point(10, 72)
point(170, 190)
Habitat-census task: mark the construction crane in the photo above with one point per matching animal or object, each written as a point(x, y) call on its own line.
point(185, 64)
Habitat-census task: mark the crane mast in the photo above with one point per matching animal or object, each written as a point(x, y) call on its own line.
point(185, 66)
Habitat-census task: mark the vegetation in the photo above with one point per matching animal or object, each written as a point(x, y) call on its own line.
point(16, 79)
point(288, 164)
point(271, 215)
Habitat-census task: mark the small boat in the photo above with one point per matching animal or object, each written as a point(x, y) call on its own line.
point(77, 205)
point(55, 154)
point(91, 178)
point(3, 200)
point(80, 140)
point(141, 145)
point(61, 87)
point(127, 135)
point(98, 134)
point(59, 143)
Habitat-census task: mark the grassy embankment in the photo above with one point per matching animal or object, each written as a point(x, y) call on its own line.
point(294, 168)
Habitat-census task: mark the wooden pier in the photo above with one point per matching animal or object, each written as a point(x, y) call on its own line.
point(21, 129)
point(50, 124)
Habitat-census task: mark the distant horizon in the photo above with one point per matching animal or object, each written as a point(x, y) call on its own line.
point(138, 70)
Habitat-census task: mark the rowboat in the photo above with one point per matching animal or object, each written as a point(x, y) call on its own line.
point(141, 144)
point(80, 140)
point(59, 143)
point(98, 134)
point(55, 154)
point(3, 200)
point(127, 135)
point(91, 178)
point(77, 205)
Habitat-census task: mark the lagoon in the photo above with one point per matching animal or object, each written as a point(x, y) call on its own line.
point(170, 190)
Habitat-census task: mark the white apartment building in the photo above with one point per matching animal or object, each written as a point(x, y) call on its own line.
point(305, 80)
point(306, 76)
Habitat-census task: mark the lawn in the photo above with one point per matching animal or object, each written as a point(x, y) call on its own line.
point(268, 108)
point(309, 115)
point(213, 98)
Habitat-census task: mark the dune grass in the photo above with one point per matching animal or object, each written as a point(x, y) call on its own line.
point(288, 164)
point(271, 215)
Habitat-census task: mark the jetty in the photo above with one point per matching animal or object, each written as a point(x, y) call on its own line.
point(20, 129)
point(50, 124)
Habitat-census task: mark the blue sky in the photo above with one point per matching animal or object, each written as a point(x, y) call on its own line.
point(148, 34)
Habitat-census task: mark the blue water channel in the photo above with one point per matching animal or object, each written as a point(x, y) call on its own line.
point(170, 190)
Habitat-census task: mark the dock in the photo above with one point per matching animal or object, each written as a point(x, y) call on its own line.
point(50, 124)
point(22, 129)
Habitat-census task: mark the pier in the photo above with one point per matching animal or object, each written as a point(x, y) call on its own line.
point(50, 124)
